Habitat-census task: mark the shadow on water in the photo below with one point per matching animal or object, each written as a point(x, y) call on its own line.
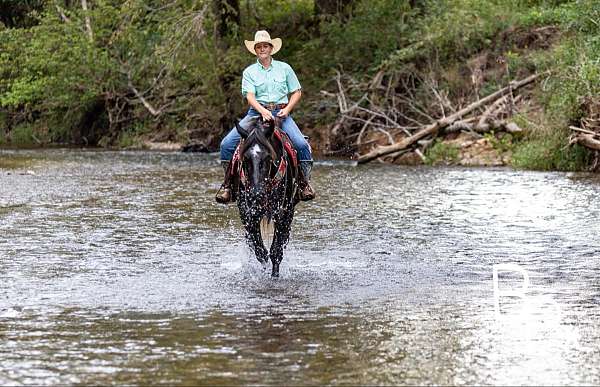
point(118, 267)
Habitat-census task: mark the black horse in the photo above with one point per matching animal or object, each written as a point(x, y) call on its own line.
point(266, 174)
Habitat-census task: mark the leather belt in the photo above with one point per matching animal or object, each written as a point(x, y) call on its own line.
point(274, 106)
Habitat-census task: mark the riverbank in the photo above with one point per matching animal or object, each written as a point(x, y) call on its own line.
point(181, 86)
point(462, 149)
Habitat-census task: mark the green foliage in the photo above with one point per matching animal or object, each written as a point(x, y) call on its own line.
point(453, 29)
point(133, 136)
point(19, 13)
point(377, 28)
point(58, 85)
point(22, 135)
point(502, 142)
point(51, 68)
point(127, 140)
point(575, 62)
point(541, 15)
point(290, 20)
point(441, 152)
point(550, 152)
point(3, 120)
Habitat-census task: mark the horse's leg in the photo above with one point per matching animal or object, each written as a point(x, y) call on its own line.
point(280, 240)
point(256, 243)
point(253, 236)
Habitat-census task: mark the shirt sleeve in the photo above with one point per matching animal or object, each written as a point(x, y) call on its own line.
point(247, 84)
point(292, 80)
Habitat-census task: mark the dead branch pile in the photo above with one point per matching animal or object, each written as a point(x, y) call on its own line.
point(588, 133)
point(408, 113)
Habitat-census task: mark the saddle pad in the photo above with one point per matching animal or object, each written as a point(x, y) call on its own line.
point(287, 145)
point(281, 136)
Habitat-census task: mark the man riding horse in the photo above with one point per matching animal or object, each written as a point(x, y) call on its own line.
point(266, 85)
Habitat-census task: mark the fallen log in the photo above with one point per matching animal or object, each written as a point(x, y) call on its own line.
point(479, 127)
point(586, 131)
point(433, 128)
point(511, 127)
point(588, 141)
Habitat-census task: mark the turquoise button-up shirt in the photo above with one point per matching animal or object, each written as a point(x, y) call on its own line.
point(272, 84)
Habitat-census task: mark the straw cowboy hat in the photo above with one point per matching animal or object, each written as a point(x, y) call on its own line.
point(263, 37)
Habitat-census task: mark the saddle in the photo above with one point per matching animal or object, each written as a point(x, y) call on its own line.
point(287, 145)
point(235, 167)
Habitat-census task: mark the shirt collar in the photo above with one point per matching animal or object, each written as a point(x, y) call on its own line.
point(263, 67)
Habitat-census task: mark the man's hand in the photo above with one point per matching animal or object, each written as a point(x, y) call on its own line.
point(266, 115)
point(283, 113)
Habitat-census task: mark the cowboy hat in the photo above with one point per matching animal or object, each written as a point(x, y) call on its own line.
point(263, 37)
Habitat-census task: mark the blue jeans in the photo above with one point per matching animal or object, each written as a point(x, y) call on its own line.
point(231, 141)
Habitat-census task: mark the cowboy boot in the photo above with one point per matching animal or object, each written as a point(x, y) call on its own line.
point(306, 192)
point(224, 194)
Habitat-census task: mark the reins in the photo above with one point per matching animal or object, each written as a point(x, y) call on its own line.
point(274, 181)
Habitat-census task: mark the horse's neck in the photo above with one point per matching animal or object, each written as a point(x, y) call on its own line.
point(277, 146)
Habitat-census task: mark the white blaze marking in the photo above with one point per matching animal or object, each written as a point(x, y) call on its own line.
point(255, 151)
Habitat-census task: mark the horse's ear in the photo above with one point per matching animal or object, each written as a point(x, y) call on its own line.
point(242, 131)
point(269, 128)
point(278, 122)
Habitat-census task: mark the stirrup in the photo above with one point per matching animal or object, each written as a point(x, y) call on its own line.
point(308, 196)
point(223, 196)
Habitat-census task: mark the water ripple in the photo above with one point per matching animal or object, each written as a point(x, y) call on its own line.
point(118, 267)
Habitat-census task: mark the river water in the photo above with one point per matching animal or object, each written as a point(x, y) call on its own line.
point(118, 267)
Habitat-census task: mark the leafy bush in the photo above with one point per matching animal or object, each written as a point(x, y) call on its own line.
point(127, 140)
point(376, 28)
point(51, 68)
point(22, 135)
point(550, 152)
point(575, 63)
point(502, 142)
point(53, 76)
point(441, 152)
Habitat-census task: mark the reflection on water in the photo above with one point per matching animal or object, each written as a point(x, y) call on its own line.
point(117, 267)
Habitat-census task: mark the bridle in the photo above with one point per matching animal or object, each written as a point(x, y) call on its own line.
point(274, 181)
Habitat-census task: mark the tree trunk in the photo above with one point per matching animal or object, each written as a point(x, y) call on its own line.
point(227, 15)
point(88, 22)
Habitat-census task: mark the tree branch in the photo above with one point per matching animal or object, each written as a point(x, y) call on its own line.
point(62, 14)
point(146, 104)
point(434, 127)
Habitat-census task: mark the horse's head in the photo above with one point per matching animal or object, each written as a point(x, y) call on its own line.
point(258, 155)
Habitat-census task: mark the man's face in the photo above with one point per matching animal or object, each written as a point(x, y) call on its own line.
point(263, 50)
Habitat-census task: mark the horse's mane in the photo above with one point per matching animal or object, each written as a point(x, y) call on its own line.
point(257, 136)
